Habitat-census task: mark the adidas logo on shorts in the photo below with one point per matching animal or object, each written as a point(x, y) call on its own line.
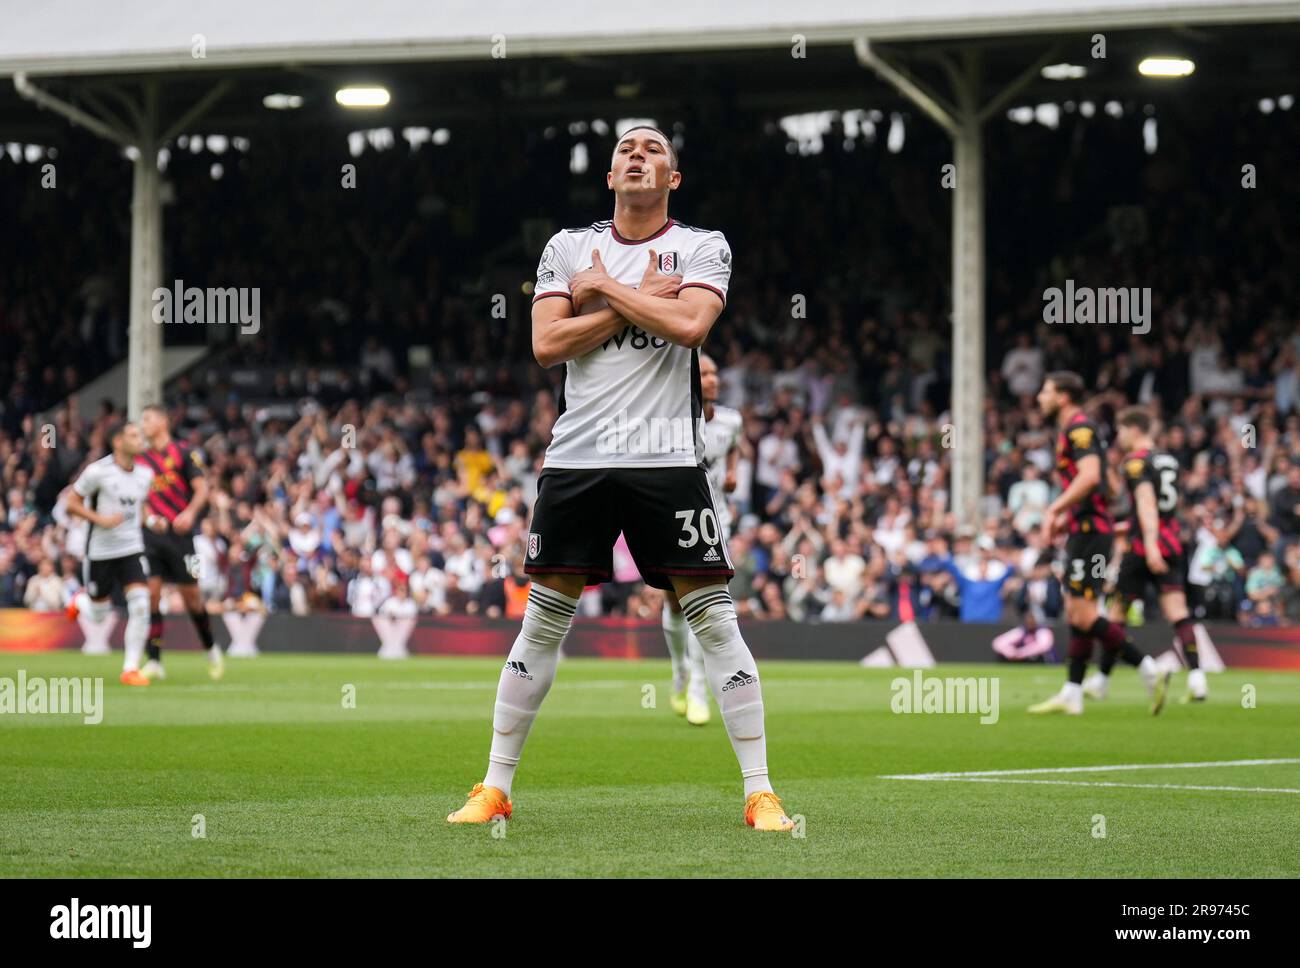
point(518, 669)
point(712, 555)
point(741, 678)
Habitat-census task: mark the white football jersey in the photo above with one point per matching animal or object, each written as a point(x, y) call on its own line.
point(721, 435)
point(108, 489)
point(633, 401)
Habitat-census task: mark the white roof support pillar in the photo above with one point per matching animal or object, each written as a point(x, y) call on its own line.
point(144, 381)
point(142, 130)
point(962, 118)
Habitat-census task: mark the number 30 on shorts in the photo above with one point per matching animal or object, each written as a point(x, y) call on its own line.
point(708, 529)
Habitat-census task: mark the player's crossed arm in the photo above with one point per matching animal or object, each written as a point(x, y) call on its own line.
point(560, 336)
point(561, 332)
point(684, 317)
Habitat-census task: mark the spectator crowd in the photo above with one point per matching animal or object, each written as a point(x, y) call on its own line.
point(368, 479)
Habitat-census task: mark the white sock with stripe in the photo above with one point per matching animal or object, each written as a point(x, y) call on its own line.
point(733, 676)
point(676, 632)
point(137, 627)
point(525, 680)
point(697, 680)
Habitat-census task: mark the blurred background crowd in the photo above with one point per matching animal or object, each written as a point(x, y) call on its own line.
point(375, 447)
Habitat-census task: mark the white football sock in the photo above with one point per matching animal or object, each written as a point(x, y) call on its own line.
point(98, 611)
point(137, 627)
point(525, 680)
point(697, 685)
point(733, 676)
point(676, 632)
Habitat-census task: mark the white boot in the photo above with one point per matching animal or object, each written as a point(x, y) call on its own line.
point(216, 662)
point(1150, 674)
point(1096, 685)
point(1069, 701)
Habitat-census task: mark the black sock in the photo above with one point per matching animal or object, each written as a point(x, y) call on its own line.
point(1107, 661)
point(203, 624)
point(1078, 666)
point(1186, 633)
point(1079, 651)
point(153, 648)
point(1115, 643)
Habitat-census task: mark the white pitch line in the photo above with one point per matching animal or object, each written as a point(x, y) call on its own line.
point(1088, 769)
point(1095, 783)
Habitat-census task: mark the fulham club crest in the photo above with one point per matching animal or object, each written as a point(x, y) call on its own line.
point(669, 263)
point(534, 544)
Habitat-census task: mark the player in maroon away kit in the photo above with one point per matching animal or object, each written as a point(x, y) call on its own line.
point(1156, 555)
point(177, 498)
point(1081, 507)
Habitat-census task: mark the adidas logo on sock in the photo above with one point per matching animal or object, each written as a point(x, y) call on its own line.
point(518, 669)
point(712, 554)
point(741, 678)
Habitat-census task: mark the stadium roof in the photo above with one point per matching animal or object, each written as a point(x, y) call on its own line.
point(91, 36)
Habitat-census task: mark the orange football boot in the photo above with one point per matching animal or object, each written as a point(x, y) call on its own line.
point(484, 804)
point(763, 811)
point(132, 677)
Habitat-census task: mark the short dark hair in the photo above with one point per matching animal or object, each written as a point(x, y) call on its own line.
point(1134, 417)
point(115, 430)
point(672, 148)
point(1067, 382)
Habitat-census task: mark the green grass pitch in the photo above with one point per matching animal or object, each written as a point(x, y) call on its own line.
point(290, 783)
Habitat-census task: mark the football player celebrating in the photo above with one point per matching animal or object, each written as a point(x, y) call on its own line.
point(722, 433)
point(109, 494)
point(625, 304)
point(1081, 508)
point(1156, 555)
point(177, 498)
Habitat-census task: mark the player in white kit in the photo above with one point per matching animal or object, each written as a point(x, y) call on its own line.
point(722, 432)
point(625, 304)
point(110, 494)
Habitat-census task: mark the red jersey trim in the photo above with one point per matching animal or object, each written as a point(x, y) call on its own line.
point(704, 285)
point(626, 241)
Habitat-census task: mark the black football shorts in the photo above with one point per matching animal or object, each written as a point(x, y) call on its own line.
point(1087, 556)
point(107, 575)
point(1135, 577)
point(171, 557)
point(667, 514)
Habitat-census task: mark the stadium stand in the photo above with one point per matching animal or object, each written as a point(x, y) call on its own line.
point(349, 472)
